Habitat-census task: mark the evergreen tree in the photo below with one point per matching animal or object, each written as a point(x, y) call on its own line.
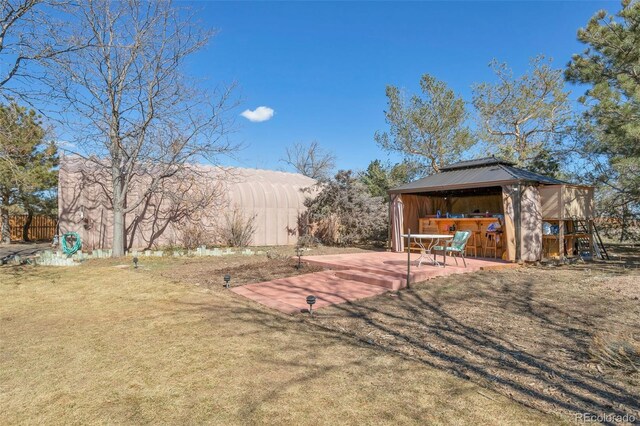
point(27, 177)
point(430, 129)
point(610, 65)
point(525, 119)
point(380, 177)
point(344, 213)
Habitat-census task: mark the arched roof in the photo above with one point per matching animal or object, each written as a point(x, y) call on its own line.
point(275, 198)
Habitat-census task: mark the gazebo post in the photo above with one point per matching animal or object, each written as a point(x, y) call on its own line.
point(389, 236)
point(561, 240)
point(409, 258)
point(517, 218)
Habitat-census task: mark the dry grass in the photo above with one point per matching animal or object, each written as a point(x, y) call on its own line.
point(619, 352)
point(103, 344)
point(530, 333)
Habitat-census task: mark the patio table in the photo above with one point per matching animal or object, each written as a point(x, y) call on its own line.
point(426, 251)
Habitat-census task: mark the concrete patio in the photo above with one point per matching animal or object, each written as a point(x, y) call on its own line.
point(351, 277)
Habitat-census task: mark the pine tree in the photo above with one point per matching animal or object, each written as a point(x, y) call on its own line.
point(612, 116)
point(379, 177)
point(429, 129)
point(27, 167)
point(526, 118)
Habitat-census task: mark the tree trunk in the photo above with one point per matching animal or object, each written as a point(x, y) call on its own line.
point(118, 212)
point(623, 228)
point(118, 232)
point(4, 218)
point(26, 226)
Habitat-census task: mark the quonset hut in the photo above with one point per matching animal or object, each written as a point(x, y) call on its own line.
point(168, 217)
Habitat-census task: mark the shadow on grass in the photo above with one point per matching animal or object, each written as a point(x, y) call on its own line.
point(547, 369)
point(418, 325)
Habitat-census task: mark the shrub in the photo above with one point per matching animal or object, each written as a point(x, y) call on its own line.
point(237, 230)
point(308, 240)
point(275, 255)
point(194, 235)
point(344, 212)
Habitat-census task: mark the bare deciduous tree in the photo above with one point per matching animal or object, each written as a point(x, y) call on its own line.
point(310, 160)
point(30, 35)
point(134, 111)
point(185, 202)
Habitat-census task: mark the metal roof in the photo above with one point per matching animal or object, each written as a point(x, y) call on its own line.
point(487, 161)
point(274, 198)
point(481, 173)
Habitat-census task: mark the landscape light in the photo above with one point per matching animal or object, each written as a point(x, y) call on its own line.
point(227, 278)
point(311, 300)
point(299, 254)
point(135, 262)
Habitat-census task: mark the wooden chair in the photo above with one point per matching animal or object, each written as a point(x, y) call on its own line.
point(473, 243)
point(492, 243)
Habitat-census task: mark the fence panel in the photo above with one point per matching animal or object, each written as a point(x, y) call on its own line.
point(42, 227)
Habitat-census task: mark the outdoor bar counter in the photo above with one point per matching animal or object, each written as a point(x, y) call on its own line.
point(477, 225)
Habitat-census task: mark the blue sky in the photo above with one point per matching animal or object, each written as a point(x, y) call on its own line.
point(323, 67)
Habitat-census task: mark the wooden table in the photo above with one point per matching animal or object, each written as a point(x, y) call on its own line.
point(568, 243)
point(426, 252)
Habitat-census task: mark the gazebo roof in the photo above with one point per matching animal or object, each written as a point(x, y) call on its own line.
point(479, 173)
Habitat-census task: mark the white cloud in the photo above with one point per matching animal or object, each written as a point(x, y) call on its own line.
point(262, 113)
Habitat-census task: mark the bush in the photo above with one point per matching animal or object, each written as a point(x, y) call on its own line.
point(344, 213)
point(275, 255)
point(237, 230)
point(194, 235)
point(308, 240)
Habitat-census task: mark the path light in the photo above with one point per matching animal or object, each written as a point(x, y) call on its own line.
point(299, 254)
point(311, 300)
point(227, 278)
point(135, 262)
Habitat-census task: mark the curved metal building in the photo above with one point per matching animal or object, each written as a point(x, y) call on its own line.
point(196, 204)
point(274, 198)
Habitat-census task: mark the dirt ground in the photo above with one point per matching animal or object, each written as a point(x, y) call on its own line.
point(543, 336)
point(627, 253)
point(278, 263)
point(535, 334)
point(23, 249)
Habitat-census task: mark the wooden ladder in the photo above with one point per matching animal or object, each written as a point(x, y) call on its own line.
point(599, 245)
point(584, 245)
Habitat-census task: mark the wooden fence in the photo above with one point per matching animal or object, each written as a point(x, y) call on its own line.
point(42, 227)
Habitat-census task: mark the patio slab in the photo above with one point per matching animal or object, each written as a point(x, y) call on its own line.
point(354, 276)
point(395, 264)
point(289, 295)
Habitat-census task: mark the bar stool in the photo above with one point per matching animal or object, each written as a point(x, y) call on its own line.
point(479, 242)
point(473, 243)
point(492, 243)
